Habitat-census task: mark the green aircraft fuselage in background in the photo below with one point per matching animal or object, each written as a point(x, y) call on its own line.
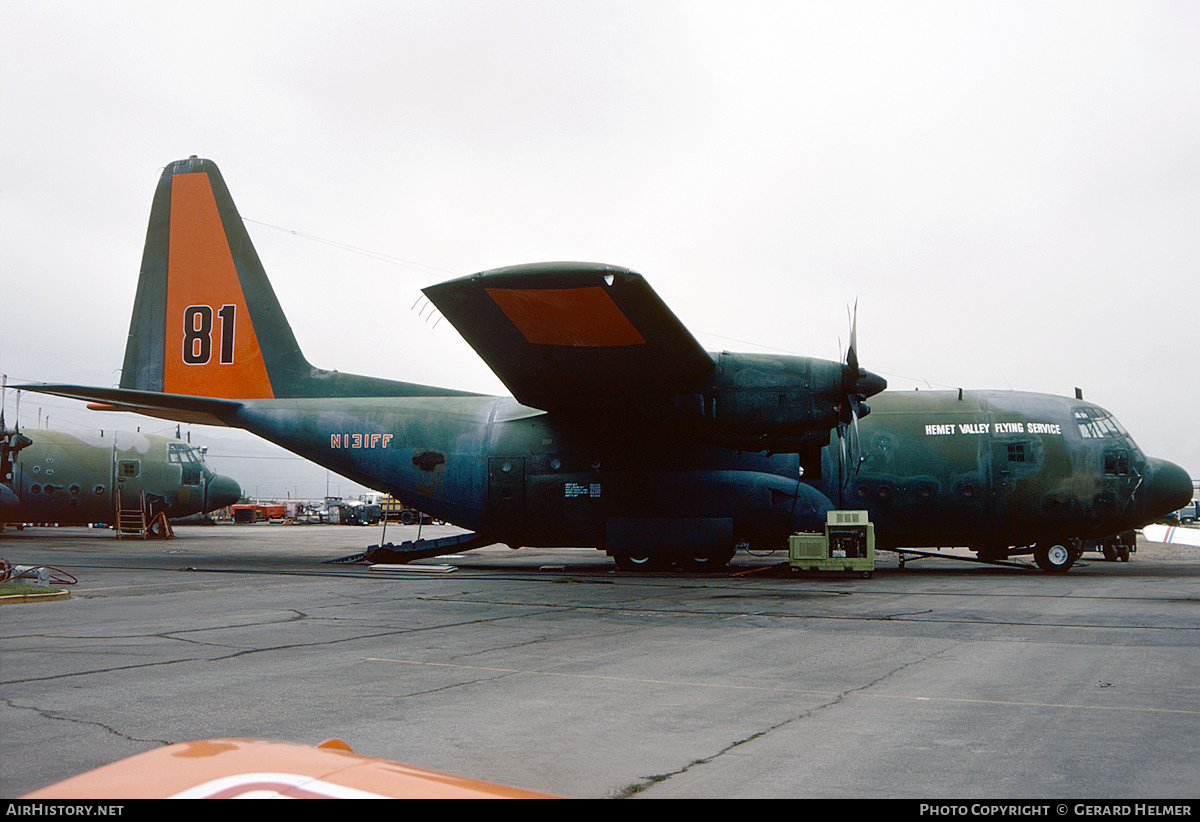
point(623, 433)
point(78, 479)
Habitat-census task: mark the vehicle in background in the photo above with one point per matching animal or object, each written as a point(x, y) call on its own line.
point(1186, 515)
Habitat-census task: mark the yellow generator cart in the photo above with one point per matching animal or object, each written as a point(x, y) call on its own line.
point(848, 544)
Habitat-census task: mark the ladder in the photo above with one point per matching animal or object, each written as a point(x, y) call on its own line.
point(131, 520)
point(138, 522)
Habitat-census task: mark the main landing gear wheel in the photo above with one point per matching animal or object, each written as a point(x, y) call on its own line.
point(1055, 557)
point(705, 563)
point(637, 562)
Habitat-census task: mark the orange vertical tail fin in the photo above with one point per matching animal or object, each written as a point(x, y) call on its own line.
point(206, 321)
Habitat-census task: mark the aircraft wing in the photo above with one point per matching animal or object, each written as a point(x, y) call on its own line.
point(256, 769)
point(1173, 534)
point(198, 410)
point(574, 336)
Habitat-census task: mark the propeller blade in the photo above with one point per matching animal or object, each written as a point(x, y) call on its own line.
point(855, 443)
point(857, 385)
point(859, 457)
point(852, 350)
point(842, 473)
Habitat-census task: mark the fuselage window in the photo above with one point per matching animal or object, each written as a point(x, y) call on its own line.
point(1116, 463)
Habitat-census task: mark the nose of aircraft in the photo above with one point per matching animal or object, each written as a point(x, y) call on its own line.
point(1168, 488)
point(222, 491)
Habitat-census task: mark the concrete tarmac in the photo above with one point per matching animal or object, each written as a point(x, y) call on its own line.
point(551, 670)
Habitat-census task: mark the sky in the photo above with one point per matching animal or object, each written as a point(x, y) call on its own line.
point(1010, 191)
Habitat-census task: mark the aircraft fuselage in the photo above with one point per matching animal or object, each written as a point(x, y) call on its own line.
point(76, 479)
point(624, 434)
point(992, 469)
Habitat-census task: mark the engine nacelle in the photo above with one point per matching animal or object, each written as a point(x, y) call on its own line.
point(774, 402)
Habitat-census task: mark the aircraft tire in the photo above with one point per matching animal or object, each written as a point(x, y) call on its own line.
point(1054, 557)
point(1110, 553)
point(637, 562)
point(705, 563)
point(1123, 553)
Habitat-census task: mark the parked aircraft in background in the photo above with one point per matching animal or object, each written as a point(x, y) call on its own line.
point(77, 479)
point(1172, 534)
point(623, 433)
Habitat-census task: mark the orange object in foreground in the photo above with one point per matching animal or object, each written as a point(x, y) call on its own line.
point(253, 769)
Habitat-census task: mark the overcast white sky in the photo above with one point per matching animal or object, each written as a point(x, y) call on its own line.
point(1010, 190)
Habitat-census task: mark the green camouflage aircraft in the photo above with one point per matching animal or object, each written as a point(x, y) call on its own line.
point(76, 479)
point(623, 433)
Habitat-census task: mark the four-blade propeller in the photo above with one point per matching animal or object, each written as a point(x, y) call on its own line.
point(857, 385)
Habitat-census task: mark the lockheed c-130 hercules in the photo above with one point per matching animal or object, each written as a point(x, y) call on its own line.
point(623, 433)
point(122, 478)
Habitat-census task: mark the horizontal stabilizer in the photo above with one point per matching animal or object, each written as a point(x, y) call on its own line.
point(198, 410)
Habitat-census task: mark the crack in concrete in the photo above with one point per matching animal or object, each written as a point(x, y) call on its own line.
point(299, 616)
point(248, 651)
point(649, 781)
point(452, 685)
point(58, 717)
point(544, 639)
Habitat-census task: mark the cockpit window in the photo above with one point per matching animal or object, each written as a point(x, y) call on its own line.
point(1096, 424)
point(178, 452)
